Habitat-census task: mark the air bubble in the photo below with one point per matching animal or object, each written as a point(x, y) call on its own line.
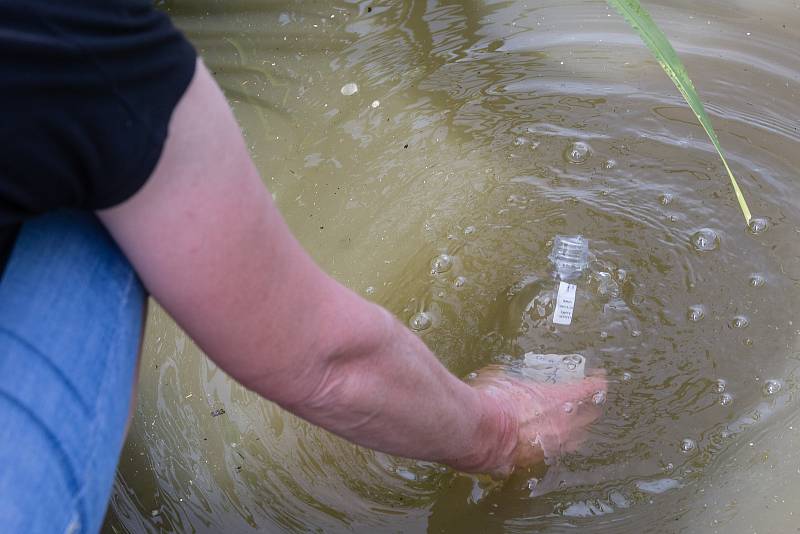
point(568, 407)
point(740, 321)
point(705, 240)
point(578, 152)
point(636, 333)
point(696, 313)
point(469, 230)
point(572, 361)
point(757, 280)
point(771, 387)
point(721, 385)
point(349, 89)
point(688, 445)
point(758, 225)
point(370, 290)
point(459, 282)
point(665, 199)
point(725, 399)
point(599, 398)
point(609, 164)
point(519, 141)
point(421, 321)
point(627, 377)
point(472, 376)
point(441, 264)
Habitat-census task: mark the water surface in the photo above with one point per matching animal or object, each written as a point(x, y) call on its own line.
point(426, 154)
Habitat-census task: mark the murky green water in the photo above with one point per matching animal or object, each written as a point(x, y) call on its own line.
point(480, 130)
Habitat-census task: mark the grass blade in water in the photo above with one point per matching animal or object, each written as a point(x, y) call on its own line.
point(657, 42)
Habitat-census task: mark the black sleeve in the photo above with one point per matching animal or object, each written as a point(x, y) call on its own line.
point(87, 89)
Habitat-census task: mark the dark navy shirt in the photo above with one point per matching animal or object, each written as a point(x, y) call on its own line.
point(87, 89)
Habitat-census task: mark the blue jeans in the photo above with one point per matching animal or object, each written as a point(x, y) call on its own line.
point(71, 317)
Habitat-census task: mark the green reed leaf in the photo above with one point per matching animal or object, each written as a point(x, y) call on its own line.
point(657, 42)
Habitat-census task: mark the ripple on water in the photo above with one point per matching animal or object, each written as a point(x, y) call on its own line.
point(705, 240)
point(577, 153)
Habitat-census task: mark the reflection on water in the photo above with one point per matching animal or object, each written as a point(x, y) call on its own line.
point(426, 153)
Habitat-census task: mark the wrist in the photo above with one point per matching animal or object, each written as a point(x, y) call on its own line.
point(495, 437)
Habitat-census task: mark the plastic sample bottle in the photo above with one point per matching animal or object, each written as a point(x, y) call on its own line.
point(570, 257)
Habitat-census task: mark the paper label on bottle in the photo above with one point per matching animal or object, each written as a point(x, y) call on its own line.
point(565, 303)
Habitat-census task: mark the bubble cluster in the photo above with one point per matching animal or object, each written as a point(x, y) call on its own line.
point(572, 362)
point(757, 280)
point(705, 240)
point(420, 321)
point(740, 321)
point(771, 387)
point(725, 399)
point(578, 152)
point(441, 264)
point(758, 225)
point(696, 312)
point(688, 445)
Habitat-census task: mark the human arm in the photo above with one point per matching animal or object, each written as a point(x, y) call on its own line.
point(210, 246)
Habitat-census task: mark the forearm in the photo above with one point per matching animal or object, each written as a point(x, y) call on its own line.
point(209, 244)
point(384, 389)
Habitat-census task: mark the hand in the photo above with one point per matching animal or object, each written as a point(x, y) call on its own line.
point(550, 419)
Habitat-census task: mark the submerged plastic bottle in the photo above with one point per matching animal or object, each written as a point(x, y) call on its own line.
point(570, 257)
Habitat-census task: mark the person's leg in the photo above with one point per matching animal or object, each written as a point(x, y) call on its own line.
point(71, 317)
